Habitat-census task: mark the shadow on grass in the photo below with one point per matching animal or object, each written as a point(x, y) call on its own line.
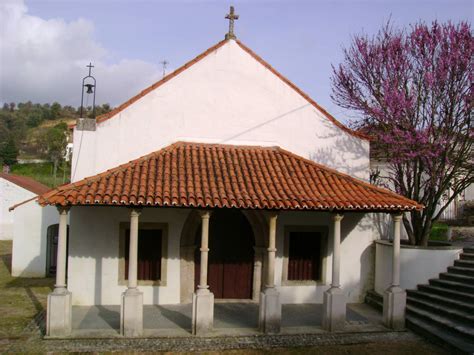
point(29, 284)
point(7, 261)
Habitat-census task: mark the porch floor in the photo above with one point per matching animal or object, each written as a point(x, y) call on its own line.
point(233, 319)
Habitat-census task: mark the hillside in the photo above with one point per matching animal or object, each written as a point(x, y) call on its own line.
point(33, 139)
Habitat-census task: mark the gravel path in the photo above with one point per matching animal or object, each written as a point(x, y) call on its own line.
point(403, 341)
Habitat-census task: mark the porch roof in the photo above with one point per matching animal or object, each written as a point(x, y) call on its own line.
point(187, 174)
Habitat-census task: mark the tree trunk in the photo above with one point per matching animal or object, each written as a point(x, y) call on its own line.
point(55, 170)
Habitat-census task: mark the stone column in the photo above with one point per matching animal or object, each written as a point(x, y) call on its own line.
point(131, 310)
point(270, 305)
point(59, 312)
point(203, 299)
point(394, 298)
point(257, 272)
point(334, 305)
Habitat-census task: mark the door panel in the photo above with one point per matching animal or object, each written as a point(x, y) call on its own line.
point(231, 255)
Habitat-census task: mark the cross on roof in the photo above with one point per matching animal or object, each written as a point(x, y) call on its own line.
point(90, 66)
point(231, 16)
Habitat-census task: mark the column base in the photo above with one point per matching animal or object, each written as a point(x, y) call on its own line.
point(131, 313)
point(203, 312)
point(334, 309)
point(59, 313)
point(270, 311)
point(394, 303)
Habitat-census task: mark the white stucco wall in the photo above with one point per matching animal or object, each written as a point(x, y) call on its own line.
point(93, 265)
point(417, 264)
point(30, 226)
point(93, 272)
point(227, 97)
point(10, 194)
point(357, 256)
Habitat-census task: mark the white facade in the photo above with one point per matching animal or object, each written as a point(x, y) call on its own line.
point(227, 97)
point(30, 227)
point(10, 194)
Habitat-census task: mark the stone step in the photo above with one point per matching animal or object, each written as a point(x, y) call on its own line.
point(469, 250)
point(446, 292)
point(436, 308)
point(469, 280)
point(464, 263)
point(452, 285)
point(461, 270)
point(457, 328)
point(467, 256)
point(375, 300)
point(438, 335)
point(465, 307)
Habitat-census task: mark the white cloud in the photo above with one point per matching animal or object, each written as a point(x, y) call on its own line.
point(44, 61)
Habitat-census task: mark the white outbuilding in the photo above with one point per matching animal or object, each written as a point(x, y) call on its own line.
point(15, 189)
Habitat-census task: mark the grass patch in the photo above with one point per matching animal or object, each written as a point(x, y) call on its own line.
point(43, 172)
point(20, 298)
point(439, 232)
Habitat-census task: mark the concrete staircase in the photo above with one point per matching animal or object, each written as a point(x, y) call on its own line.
point(443, 310)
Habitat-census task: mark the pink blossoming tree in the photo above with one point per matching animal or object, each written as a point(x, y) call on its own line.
point(413, 94)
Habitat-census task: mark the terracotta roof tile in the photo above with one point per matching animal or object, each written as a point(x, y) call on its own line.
point(224, 176)
point(26, 182)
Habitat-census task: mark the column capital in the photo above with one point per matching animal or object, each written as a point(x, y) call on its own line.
point(397, 217)
point(337, 217)
point(272, 214)
point(135, 212)
point(205, 214)
point(63, 209)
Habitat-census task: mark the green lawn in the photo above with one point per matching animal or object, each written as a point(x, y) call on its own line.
point(20, 298)
point(43, 172)
point(439, 232)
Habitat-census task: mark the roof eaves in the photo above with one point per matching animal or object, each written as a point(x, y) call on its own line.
point(302, 93)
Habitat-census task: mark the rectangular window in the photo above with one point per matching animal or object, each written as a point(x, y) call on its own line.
point(304, 256)
point(149, 254)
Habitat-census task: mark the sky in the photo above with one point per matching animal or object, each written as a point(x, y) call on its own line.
point(46, 44)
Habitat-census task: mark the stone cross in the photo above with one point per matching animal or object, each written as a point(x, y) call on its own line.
point(231, 16)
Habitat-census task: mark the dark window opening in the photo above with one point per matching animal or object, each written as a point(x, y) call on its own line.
point(304, 258)
point(149, 254)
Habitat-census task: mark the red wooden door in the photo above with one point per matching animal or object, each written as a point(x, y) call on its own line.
point(231, 255)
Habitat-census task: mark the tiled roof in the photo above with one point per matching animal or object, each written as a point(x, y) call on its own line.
point(26, 183)
point(178, 71)
point(215, 176)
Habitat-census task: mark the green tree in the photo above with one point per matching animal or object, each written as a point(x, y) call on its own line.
point(54, 143)
point(9, 152)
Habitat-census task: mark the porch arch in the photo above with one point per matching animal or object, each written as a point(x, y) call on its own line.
point(188, 247)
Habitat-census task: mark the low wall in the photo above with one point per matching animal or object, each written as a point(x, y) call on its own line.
point(417, 264)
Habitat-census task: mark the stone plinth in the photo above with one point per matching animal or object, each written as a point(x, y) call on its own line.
point(203, 312)
point(394, 303)
point(59, 313)
point(131, 313)
point(270, 311)
point(334, 309)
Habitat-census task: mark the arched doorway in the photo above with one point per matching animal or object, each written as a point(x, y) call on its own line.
point(231, 259)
